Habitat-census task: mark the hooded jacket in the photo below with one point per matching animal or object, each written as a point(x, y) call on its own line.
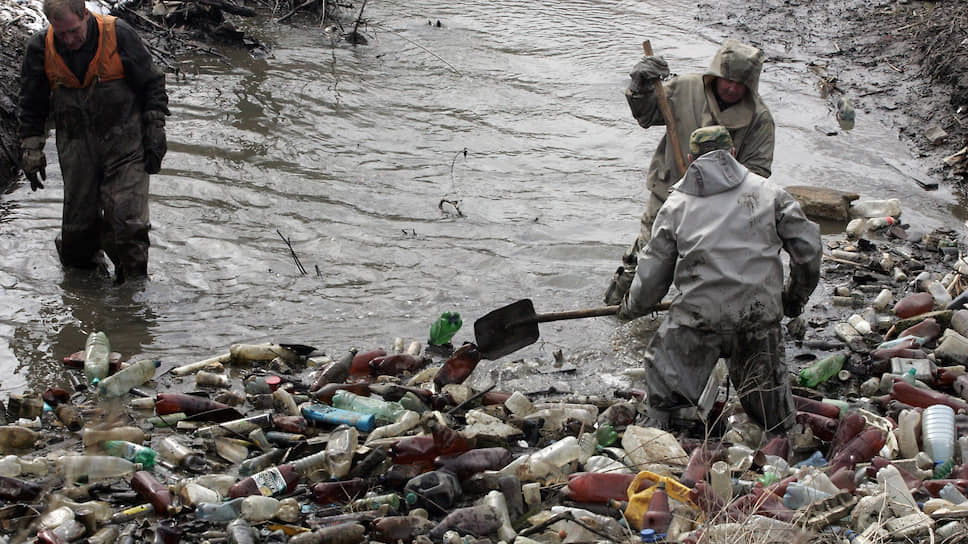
point(693, 104)
point(718, 239)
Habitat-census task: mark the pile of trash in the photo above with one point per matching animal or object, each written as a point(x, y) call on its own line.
point(281, 443)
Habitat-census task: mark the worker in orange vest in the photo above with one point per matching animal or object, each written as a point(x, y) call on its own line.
point(94, 77)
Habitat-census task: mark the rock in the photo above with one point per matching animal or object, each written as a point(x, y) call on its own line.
point(820, 202)
point(936, 135)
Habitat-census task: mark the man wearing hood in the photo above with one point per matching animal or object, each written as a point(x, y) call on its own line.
point(718, 238)
point(726, 95)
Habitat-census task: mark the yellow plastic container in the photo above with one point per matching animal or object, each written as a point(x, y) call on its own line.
point(639, 500)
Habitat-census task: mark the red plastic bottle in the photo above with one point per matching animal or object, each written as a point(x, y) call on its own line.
point(860, 449)
point(494, 397)
point(844, 479)
point(778, 446)
point(804, 404)
point(360, 366)
point(342, 491)
point(325, 393)
point(913, 305)
point(599, 487)
point(658, 516)
point(922, 398)
point(169, 403)
point(466, 464)
point(396, 364)
point(933, 487)
point(336, 372)
point(822, 427)
point(269, 482)
point(423, 449)
point(289, 424)
point(706, 499)
point(929, 329)
point(459, 366)
point(852, 424)
point(144, 484)
point(886, 355)
point(699, 462)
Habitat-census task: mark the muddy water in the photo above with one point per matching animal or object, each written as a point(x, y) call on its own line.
point(511, 109)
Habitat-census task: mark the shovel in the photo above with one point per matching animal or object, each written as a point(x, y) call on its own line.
point(514, 326)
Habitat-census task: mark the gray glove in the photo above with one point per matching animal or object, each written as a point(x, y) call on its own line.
point(647, 71)
point(33, 161)
point(155, 144)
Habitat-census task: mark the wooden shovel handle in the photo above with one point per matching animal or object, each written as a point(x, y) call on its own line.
point(591, 312)
point(672, 134)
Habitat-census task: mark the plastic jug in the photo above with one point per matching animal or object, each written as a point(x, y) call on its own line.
point(437, 491)
point(938, 432)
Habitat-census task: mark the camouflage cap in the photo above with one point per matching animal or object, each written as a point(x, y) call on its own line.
point(706, 139)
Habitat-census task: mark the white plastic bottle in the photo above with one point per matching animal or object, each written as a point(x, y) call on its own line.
point(876, 208)
point(938, 432)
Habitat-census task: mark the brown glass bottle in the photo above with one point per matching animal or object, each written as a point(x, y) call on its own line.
point(466, 464)
point(360, 366)
point(334, 373)
point(396, 364)
point(459, 366)
point(325, 393)
point(342, 491)
point(269, 482)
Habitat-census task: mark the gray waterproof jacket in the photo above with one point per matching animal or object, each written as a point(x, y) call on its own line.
point(694, 105)
point(718, 238)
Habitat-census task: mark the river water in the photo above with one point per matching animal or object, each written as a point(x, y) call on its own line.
point(512, 109)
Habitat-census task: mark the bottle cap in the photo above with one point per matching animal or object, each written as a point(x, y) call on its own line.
point(273, 381)
point(411, 498)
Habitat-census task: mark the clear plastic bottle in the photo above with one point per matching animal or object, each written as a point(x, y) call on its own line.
point(219, 512)
point(952, 494)
point(883, 300)
point(176, 453)
point(340, 450)
point(383, 410)
point(97, 354)
point(495, 499)
point(257, 508)
point(17, 437)
point(554, 456)
point(95, 467)
point(123, 380)
point(876, 208)
point(283, 402)
point(941, 297)
point(92, 437)
point(211, 379)
point(799, 495)
point(193, 493)
point(938, 432)
point(13, 466)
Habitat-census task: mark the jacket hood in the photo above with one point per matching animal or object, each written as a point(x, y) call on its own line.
point(735, 61)
point(712, 173)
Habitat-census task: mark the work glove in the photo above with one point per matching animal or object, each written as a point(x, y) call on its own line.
point(33, 161)
point(153, 140)
point(625, 312)
point(647, 71)
point(792, 306)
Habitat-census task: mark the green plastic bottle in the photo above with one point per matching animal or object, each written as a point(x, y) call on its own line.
point(822, 370)
point(444, 328)
point(135, 453)
point(606, 435)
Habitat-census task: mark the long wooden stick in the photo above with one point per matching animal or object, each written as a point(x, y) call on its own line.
point(672, 134)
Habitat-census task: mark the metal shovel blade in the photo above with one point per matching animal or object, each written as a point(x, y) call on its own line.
point(506, 329)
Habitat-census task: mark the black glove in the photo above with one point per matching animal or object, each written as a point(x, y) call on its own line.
point(33, 161)
point(792, 306)
point(647, 71)
point(155, 144)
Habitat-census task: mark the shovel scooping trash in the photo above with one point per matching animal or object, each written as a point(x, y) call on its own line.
point(515, 326)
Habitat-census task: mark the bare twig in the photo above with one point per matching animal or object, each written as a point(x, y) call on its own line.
point(292, 252)
point(438, 57)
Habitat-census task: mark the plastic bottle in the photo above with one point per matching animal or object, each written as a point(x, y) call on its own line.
point(407, 420)
point(878, 223)
point(474, 461)
point(176, 453)
point(95, 467)
point(519, 405)
point(922, 398)
point(211, 379)
point(860, 324)
point(169, 403)
point(952, 494)
point(325, 393)
point(92, 437)
point(859, 449)
point(883, 300)
point(135, 453)
point(938, 432)
point(822, 370)
point(856, 228)
point(598, 487)
point(553, 457)
point(658, 516)
point(239, 531)
point(719, 479)
point(271, 481)
point(97, 352)
point(396, 364)
point(458, 366)
point(939, 294)
point(383, 410)
point(907, 439)
point(342, 491)
point(253, 353)
point(444, 329)
point(913, 304)
point(340, 450)
point(153, 491)
point(437, 491)
point(256, 508)
point(329, 415)
point(13, 466)
point(123, 380)
point(875, 208)
point(17, 437)
point(816, 407)
point(496, 500)
point(193, 493)
point(242, 426)
point(15, 489)
point(259, 463)
point(799, 495)
point(478, 520)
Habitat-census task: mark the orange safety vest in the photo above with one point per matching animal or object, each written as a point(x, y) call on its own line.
point(105, 66)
